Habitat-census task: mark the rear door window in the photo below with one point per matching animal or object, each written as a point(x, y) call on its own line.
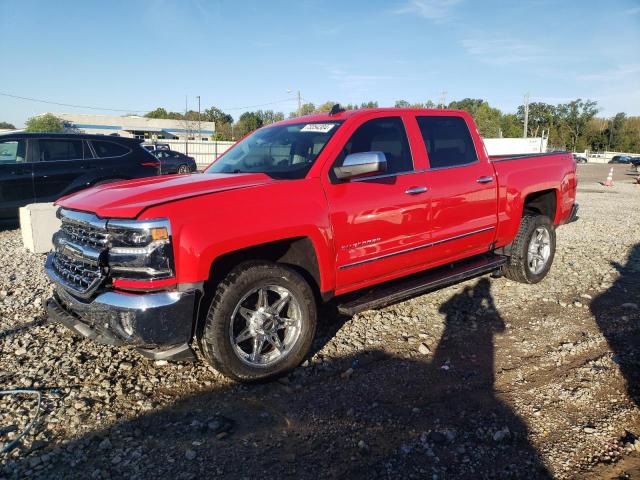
point(448, 141)
point(109, 149)
point(52, 150)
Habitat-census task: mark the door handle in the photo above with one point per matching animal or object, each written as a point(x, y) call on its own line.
point(484, 179)
point(415, 190)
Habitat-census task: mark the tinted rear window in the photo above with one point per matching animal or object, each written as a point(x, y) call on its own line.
point(448, 141)
point(59, 149)
point(109, 149)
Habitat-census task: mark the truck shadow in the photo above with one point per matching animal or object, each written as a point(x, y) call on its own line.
point(391, 417)
point(618, 318)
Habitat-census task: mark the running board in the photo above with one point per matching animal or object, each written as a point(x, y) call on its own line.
point(418, 284)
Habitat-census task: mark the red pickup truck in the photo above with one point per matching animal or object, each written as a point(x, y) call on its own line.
point(359, 208)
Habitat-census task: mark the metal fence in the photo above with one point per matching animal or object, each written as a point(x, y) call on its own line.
point(203, 152)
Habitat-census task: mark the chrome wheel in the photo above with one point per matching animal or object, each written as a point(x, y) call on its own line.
point(183, 169)
point(539, 250)
point(265, 325)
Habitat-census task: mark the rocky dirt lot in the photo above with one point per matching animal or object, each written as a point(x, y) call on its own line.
point(487, 379)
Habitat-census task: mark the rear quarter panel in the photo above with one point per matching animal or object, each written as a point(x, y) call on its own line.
point(522, 176)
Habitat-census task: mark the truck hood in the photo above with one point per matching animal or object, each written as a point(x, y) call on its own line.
point(127, 199)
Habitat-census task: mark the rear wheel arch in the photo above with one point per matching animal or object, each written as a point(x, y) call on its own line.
point(543, 202)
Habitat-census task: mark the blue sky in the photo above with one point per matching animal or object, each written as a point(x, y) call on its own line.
point(137, 55)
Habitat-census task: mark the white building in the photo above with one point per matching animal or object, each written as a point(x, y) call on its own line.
point(515, 146)
point(149, 129)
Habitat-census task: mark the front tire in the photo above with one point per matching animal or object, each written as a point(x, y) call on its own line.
point(261, 322)
point(532, 251)
point(184, 169)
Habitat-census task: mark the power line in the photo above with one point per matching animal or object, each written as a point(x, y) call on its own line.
point(71, 105)
point(128, 110)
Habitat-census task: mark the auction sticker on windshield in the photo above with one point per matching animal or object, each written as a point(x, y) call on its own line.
point(318, 127)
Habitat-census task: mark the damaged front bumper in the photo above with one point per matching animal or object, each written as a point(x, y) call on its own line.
point(158, 325)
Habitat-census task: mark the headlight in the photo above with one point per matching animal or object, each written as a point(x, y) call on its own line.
point(140, 250)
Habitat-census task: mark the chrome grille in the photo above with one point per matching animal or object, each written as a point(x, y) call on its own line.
point(82, 275)
point(85, 234)
point(80, 245)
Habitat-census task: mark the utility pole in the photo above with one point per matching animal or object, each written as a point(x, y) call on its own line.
point(186, 124)
point(299, 103)
point(526, 115)
point(199, 126)
point(443, 99)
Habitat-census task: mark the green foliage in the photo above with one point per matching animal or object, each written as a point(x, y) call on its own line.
point(487, 118)
point(541, 117)
point(405, 104)
point(7, 126)
point(48, 123)
point(511, 126)
point(164, 114)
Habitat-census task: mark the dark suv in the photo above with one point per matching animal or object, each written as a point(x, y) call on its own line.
point(42, 167)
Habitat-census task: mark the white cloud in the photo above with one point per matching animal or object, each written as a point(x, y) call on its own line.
point(437, 10)
point(618, 73)
point(503, 51)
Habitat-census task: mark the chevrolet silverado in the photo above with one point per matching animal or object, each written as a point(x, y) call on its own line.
point(358, 208)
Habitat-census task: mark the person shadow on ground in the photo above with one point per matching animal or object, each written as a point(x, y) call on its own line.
point(617, 314)
point(374, 414)
point(458, 395)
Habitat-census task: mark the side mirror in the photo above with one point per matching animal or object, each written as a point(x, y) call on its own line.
point(361, 164)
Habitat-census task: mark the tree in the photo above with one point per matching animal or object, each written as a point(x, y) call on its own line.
point(268, 117)
point(47, 122)
point(164, 114)
point(541, 116)
point(217, 116)
point(7, 126)
point(248, 122)
point(487, 118)
point(574, 118)
point(511, 126)
point(405, 104)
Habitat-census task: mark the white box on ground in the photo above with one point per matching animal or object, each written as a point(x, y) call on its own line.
point(38, 223)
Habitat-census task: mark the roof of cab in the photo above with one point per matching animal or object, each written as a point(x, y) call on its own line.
point(343, 115)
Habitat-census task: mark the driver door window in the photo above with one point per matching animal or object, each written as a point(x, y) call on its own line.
point(386, 135)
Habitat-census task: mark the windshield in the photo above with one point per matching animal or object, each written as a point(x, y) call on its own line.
point(284, 151)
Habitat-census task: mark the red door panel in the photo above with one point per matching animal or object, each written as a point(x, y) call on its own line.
point(377, 227)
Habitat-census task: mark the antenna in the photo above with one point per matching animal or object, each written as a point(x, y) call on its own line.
point(336, 109)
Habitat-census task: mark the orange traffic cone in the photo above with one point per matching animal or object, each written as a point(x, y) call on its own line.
point(609, 181)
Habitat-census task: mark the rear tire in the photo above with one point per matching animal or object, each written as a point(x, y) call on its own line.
point(532, 251)
point(184, 169)
point(261, 322)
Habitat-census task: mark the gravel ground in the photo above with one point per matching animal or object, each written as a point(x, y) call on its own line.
point(486, 379)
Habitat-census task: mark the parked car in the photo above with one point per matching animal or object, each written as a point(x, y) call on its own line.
point(175, 162)
point(580, 158)
point(152, 147)
point(635, 161)
point(362, 208)
point(620, 159)
point(42, 167)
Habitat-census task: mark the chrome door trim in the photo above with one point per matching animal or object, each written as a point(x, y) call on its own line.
point(387, 175)
point(413, 249)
